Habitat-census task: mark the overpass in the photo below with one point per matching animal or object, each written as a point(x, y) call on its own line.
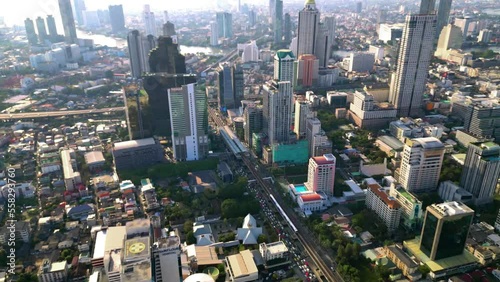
point(33, 115)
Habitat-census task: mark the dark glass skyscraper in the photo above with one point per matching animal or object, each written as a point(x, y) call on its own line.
point(30, 31)
point(117, 18)
point(68, 21)
point(445, 230)
point(167, 70)
point(278, 21)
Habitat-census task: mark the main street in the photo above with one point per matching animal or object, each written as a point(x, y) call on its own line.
point(33, 115)
point(304, 235)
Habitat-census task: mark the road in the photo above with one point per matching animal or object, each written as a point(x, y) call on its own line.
point(304, 235)
point(32, 115)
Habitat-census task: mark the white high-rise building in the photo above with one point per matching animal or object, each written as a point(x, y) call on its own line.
point(361, 61)
point(450, 38)
point(148, 18)
point(421, 164)
point(278, 104)
point(321, 174)
point(308, 29)
point(313, 127)
point(415, 52)
point(484, 36)
point(302, 113)
point(214, 34)
point(250, 53)
point(481, 171)
point(188, 118)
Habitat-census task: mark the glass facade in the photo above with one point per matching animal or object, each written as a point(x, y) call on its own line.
point(451, 236)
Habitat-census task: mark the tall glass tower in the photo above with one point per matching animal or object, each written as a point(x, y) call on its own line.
point(68, 21)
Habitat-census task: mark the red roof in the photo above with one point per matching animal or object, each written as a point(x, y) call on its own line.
point(310, 197)
point(390, 202)
point(322, 160)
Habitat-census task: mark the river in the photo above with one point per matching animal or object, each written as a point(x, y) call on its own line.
point(104, 40)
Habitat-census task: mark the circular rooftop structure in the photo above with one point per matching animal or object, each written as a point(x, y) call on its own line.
point(212, 271)
point(199, 277)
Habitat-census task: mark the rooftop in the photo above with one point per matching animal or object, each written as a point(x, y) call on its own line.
point(325, 159)
point(427, 143)
point(310, 197)
point(242, 264)
point(402, 256)
point(276, 247)
point(392, 142)
point(451, 208)
point(465, 258)
point(389, 201)
point(134, 143)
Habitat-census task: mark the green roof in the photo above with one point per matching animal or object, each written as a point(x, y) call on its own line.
point(283, 53)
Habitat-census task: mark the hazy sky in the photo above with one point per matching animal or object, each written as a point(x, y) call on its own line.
point(15, 11)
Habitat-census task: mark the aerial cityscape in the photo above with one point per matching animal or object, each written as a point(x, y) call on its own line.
point(329, 141)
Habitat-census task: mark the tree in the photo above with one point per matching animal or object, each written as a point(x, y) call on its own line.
point(424, 269)
point(109, 74)
point(188, 226)
point(27, 277)
point(3, 257)
point(190, 239)
point(229, 208)
point(262, 239)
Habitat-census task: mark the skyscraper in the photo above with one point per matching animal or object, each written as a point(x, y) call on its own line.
point(189, 122)
point(139, 47)
point(277, 102)
point(427, 7)
point(238, 84)
point(415, 52)
point(287, 29)
point(30, 31)
point(307, 71)
point(42, 30)
point(322, 46)
point(302, 113)
point(169, 29)
point(225, 91)
point(359, 7)
point(68, 21)
point(272, 6)
point(421, 164)
point(443, 15)
point(51, 24)
point(214, 34)
point(278, 22)
point(450, 38)
point(78, 9)
point(117, 18)
point(331, 25)
point(481, 171)
point(253, 122)
point(224, 24)
point(321, 174)
point(445, 230)
point(149, 21)
point(167, 69)
point(308, 29)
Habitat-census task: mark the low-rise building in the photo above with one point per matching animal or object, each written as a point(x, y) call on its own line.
point(22, 231)
point(137, 153)
point(53, 272)
point(241, 267)
point(449, 191)
point(94, 160)
point(403, 262)
point(71, 175)
point(276, 251)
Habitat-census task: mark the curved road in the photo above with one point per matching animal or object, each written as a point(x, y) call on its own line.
point(32, 115)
